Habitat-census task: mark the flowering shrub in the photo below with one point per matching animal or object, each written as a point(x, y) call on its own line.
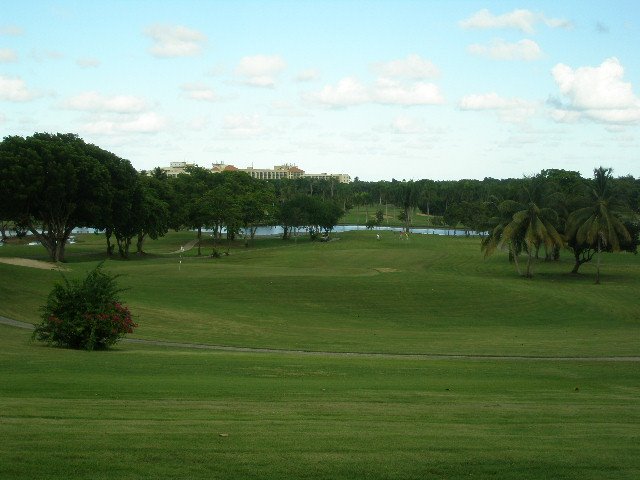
point(85, 315)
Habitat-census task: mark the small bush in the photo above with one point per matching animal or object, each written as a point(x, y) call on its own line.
point(85, 315)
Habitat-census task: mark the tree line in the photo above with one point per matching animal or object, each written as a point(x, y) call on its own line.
point(52, 184)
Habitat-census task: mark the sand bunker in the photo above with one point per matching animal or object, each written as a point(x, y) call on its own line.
point(26, 262)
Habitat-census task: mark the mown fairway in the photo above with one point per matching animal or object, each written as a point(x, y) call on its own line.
point(144, 411)
point(430, 294)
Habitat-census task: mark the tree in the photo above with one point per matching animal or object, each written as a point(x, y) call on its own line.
point(53, 184)
point(532, 226)
point(407, 196)
point(503, 214)
point(293, 214)
point(525, 225)
point(152, 213)
point(119, 216)
point(324, 215)
point(220, 207)
point(4, 226)
point(191, 186)
point(598, 225)
point(257, 205)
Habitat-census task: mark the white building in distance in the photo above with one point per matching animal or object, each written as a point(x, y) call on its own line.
point(287, 171)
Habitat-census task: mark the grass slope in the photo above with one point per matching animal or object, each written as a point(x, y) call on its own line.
point(141, 411)
point(430, 294)
point(151, 412)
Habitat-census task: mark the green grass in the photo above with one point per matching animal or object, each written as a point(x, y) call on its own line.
point(430, 294)
point(144, 411)
point(151, 412)
point(360, 215)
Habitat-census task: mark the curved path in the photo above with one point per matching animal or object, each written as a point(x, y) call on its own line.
point(425, 356)
point(187, 246)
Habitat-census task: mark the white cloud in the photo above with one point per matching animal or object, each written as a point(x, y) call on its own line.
point(595, 93)
point(349, 91)
point(413, 67)
point(407, 125)
point(175, 41)
point(149, 122)
point(513, 110)
point(523, 20)
point(44, 55)
point(88, 62)
point(308, 75)
point(500, 50)
point(96, 102)
point(196, 91)
point(7, 55)
point(389, 92)
point(14, 89)
point(199, 123)
point(287, 109)
point(11, 31)
point(243, 125)
point(260, 70)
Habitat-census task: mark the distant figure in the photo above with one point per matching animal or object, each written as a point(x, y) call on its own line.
point(377, 236)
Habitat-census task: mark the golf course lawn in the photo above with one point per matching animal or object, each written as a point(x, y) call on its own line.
point(153, 411)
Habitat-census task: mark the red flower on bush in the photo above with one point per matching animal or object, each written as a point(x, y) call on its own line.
point(85, 314)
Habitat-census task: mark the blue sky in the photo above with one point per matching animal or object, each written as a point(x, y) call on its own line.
point(376, 89)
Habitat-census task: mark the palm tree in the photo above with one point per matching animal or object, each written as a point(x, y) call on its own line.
point(504, 212)
point(599, 224)
point(532, 227)
point(525, 225)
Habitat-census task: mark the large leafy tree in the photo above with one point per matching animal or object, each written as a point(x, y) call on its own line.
point(221, 208)
point(599, 225)
point(257, 204)
point(153, 214)
point(190, 188)
point(119, 216)
point(407, 196)
point(293, 213)
point(52, 183)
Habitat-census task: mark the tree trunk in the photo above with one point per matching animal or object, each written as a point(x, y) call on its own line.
point(108, 232)
point(54, 241)
point(59, 252)
point(529, 273)
point(598, 262)
point(577, 263)
point(140, 242)
point(515, 259)
point(407, 220)
point(199, 238)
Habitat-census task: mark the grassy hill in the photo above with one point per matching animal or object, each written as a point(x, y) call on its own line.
point(151, 411)
point(430, 294)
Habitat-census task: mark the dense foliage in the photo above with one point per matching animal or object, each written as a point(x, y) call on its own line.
point(53, 183)
point(85, 314)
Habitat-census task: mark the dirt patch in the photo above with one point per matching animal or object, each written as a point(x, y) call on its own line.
point(386, 270)
point(26, 262)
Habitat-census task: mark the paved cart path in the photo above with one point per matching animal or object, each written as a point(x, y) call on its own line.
point(425, 356)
